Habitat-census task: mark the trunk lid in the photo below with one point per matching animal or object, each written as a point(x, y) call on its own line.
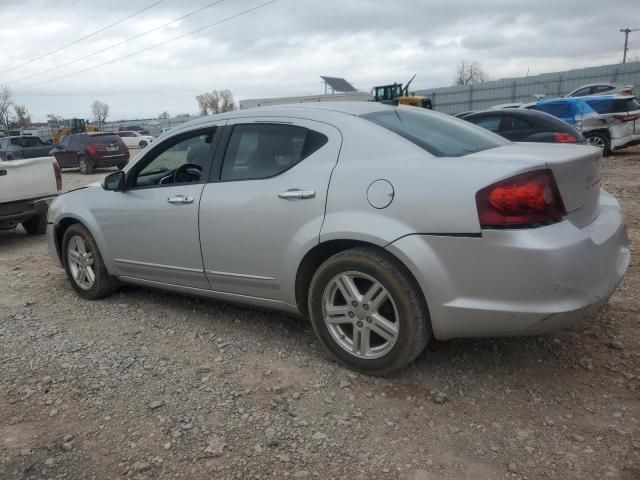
point(576, 169)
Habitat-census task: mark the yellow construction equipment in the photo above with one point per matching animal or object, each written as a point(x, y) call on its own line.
point(71, 126)
point(396, 94)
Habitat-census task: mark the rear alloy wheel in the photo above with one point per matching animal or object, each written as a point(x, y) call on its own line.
point(143, 143)
point(36, 225)
point(86, 165)
point(599, 140)
point(84, 266)
point(367, 311)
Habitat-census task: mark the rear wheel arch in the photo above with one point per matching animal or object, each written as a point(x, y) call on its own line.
point(325, 250)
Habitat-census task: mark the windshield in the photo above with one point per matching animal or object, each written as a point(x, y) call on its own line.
point(440, 135)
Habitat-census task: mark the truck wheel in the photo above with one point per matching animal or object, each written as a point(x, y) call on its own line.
point(36, 225)
point(599, 140)
point(84, 266)
point(368, 312)
point(86, 166)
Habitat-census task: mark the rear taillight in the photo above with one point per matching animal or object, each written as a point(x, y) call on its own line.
point(524, 200)
point(58, 174)
point(626, 118)
point(565, 138)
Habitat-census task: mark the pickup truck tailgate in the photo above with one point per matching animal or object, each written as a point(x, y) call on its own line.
point(31, 178)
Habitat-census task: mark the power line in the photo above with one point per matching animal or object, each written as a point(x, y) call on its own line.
point(64, 8)
point(83, 38)
point(244, 12)
point(135, 37)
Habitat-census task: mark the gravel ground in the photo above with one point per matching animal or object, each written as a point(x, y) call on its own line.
point(152, 385)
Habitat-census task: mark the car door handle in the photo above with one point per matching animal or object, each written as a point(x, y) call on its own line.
point(295, 194)
point(180, 200)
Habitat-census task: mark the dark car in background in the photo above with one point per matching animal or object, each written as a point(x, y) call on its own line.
point(88, 151)
point(18, 147)
point(526, 126)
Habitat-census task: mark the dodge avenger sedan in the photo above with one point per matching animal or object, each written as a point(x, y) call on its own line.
point(384, 226)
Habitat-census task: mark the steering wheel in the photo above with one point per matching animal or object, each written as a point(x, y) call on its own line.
point(188, 172)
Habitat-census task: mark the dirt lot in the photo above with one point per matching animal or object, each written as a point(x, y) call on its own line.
point(151, 385)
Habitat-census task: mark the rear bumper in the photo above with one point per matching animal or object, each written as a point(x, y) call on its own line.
point(12, 213)
point(110, 161)
point(515, 282)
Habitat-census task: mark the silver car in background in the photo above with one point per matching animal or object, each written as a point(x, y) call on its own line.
point(385, 226)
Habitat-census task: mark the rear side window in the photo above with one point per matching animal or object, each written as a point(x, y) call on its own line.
point(440, 135)
point(490, 123)
point(264, 150)
point(26, 142)
point(105, 139)
point(614, 105)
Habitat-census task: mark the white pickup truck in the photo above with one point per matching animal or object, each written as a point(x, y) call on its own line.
point(26, 189)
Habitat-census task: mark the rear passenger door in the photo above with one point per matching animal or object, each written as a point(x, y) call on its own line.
point(66, 157)
point(265, 204)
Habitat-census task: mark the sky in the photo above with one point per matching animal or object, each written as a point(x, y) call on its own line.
point(282, 48)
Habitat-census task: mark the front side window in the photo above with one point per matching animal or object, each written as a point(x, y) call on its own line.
point(258, 151)
point(440, 135)
point(183, 159)
point(560, 109)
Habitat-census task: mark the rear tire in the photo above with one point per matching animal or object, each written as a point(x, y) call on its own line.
point(86, 165)
point(80, 255)
point(143, 143)
point(600, 140)
point(381, 324)
point(36, 225)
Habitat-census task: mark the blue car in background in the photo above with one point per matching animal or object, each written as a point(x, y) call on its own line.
point(610, 122)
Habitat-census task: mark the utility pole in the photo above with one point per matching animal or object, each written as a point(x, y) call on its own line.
point(626, 32)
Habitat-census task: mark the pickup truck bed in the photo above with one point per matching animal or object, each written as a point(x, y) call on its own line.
point(26, 189)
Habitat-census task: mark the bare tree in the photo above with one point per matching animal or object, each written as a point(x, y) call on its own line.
point(100, 111)
point(6, 101)
point(215, 102)
point(468, 73)
point(164, 115)
point(227, 101)
point(23, 118)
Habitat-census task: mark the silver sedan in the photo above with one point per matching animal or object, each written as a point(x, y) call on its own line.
point(384, 226)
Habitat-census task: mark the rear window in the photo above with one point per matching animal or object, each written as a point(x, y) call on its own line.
point(440, 135)
point(560, 109)
point(104, 139)
point(617, 105)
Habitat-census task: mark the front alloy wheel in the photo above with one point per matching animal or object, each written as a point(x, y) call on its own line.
point(84, 266)
point(80, 261)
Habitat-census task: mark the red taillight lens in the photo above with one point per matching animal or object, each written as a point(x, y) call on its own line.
point(523, 200)
point(58, 174)
point(565, 138)
point(626, 118)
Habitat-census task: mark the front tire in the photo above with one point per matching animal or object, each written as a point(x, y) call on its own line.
point(600, 140)
point(84, 266)
point(143, 143)
point(36, 225)
point(367, 310)
point(85, 165)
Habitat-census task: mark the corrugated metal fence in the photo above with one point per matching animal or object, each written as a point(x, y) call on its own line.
point(511, 90)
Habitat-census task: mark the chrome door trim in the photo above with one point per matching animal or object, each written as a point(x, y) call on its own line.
point(158, 265)
point(239, 275)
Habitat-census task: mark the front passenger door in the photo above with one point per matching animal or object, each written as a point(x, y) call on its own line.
point(151, 228)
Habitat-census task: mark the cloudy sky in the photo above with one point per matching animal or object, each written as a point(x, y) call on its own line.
point(281, 49)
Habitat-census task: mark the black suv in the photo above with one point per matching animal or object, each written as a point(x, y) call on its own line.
point(89, 151)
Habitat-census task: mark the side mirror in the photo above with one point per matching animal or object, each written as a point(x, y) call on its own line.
point(114, 182)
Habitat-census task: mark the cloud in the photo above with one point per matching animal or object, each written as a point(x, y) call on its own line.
point(283, 48)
